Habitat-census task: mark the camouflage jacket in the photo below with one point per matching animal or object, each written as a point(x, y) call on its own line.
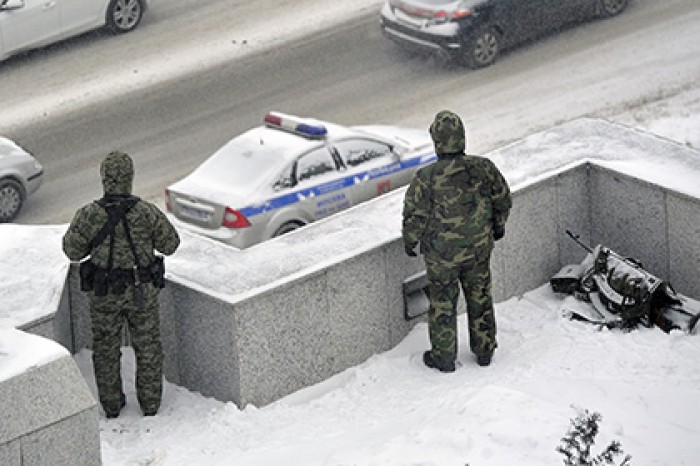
point(149, 228)
point(453, 206)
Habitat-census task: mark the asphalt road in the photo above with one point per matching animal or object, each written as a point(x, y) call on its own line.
point(351, 75)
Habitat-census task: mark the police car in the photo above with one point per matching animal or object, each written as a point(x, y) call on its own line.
point(291, 171)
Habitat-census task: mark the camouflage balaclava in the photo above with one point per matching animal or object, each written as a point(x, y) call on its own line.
point(117, 171)
point(447, 131)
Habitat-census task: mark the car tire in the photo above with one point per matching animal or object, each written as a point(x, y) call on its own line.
point(11, 199)
point(611, 7)
point(286, 228)
point(124, 15)
point(483, 50)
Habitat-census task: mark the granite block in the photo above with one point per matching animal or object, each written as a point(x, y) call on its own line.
point(169, 323)
point(63, 327)
point(684, 244)
point(79, 312)
point(284, 340)
point(499, 264)
point(55, 326)
point(629, 217)
point(11, 453)
point(530, 258)
point(43, 327)
point(358, 314)
point(573, 213)
point(207, 356)
point(399, 267)
point(73, 441)
point(42, 396)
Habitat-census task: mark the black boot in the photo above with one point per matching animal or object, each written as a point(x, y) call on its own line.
point(484, 359)
point(435, 363)
point(112, 413)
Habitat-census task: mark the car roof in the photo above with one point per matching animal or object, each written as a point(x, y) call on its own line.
point(256, 156)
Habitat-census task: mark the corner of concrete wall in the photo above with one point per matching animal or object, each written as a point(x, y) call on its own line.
point(528, 255)
point(199, 341)
point(573, 213)
point(79, 312)
point(684, 243)
point(52, 419)
point(628, 215)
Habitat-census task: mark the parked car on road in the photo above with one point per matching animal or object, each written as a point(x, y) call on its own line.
point(20, 175)
point(29, 24)
point(474, 32)
point(292, 171)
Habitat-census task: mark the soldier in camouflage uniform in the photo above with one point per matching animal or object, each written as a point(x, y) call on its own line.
point(124, 284)
point(455, 209)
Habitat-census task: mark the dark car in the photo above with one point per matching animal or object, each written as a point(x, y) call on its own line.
point(474, 32)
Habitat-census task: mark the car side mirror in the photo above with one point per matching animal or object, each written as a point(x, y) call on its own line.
point(11, 5)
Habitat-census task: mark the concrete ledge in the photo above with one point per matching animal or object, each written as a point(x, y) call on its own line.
point(252, 326)
point(49, 418)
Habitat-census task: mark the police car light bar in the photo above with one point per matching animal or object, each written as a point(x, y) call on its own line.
point(295, 125)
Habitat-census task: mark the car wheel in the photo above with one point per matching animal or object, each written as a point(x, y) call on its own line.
point(11, 199)
point(484, 49)
point(124, 15)
point(612, 7)
point(286, 228)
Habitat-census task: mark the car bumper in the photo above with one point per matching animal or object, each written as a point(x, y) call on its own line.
point(441, 39)
point(237, 237)
point(34, 181)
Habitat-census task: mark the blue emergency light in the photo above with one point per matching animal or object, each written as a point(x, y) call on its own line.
point(295, 125)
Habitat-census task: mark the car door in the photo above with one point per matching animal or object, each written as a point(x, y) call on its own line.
point(573, 10)
point(81, 15)
point(36, 23)
point(520, 19)
point(372, 168)
point(320, 188)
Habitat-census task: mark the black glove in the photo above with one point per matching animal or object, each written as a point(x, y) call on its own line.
point(498, 233)
point(410, 250)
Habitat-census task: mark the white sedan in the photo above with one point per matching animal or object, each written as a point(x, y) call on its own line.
point(29, 24)
point(20, 176)
point(292, 171)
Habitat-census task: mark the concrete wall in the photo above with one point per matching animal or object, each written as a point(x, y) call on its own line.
point(301, 331)
point(657, 226)
point(52, 418)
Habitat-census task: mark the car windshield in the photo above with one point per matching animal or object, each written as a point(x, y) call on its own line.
point(242, 163)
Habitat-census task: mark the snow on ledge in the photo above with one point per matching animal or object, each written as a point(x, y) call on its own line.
point(20, 351)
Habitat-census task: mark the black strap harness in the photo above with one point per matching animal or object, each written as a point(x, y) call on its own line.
point(116, 279)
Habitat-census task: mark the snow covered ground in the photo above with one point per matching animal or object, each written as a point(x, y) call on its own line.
point(391, 410)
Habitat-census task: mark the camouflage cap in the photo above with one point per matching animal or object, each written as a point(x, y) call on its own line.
point(117, 171)
point(447, 131)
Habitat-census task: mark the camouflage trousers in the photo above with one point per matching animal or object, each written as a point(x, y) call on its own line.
point(444, 285)
point(109, 314)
